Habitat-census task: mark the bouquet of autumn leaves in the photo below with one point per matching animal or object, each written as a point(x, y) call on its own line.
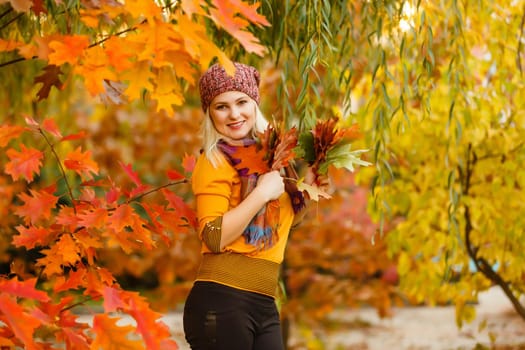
point(326, 144)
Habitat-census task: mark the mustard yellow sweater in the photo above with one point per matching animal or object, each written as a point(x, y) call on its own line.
point(239, 265)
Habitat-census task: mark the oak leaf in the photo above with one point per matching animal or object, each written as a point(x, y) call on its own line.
point(110, 336)
point(51, 127)
point(25, 163)
point(68, 49)
point(37, 205)
point(81, 163)
point(32, 236)
point(7, 133)
point(48, 79)
point(225, 15)
point(22, 324)
point(23, 289)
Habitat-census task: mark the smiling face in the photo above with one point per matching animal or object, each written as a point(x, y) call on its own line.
point(233, 114)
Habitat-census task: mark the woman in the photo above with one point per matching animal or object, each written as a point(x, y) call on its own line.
point(244, 222)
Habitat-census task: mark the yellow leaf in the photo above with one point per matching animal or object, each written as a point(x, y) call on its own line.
point(139, 78)
point(143, 8)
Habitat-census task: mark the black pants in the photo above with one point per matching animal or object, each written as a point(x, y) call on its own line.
point(220, 317)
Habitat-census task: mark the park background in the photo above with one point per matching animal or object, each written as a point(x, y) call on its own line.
point(100, 115)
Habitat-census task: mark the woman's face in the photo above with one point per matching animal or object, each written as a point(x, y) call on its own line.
point(233, 114)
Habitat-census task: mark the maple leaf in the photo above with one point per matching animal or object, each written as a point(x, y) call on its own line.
point(225, 16)
point(37, 206)
point(25, 163)
point(253, 159)
point(68, 49)
point(118, 53)
point(22, 324)
point(32, 236)
point(7, 133)
point(81, 163)
point(23, 289)
point(48, 79)
point(139, 78)
point(75, 279)
point(110, 336)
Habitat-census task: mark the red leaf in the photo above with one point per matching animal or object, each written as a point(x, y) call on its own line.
point(132, 174)
point(51, 127)
point(49, 79)
point(74, 280)
point(7, 133)
point(180, 206)
point(37, 206)
point(23, 289)
point(76, 136)
point(112, 300)
point(24, 163)
point(93, 218)
point(22, 324)
point(174, 175)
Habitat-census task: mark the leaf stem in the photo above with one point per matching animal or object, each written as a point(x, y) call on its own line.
point(62, 170)
point(136, 198)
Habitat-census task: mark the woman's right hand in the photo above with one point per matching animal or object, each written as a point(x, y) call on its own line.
point(271, 185)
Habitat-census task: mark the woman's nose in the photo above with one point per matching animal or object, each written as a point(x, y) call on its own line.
point(235, 112)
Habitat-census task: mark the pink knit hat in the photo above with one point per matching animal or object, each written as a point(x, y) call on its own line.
point(215, 81)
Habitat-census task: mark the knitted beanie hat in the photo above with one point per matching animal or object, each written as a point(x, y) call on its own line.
point(215, 81)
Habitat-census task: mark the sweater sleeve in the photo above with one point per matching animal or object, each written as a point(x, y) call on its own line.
point(213, 190)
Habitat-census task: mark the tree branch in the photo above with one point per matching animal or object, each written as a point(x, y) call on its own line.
point(520, 42)
point(481, 264)
point(10, 21)
point(9, 10)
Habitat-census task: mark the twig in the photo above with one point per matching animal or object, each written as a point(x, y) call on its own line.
point(136, 198)
point(6, 13)
point(11, 21)
point(62, 170)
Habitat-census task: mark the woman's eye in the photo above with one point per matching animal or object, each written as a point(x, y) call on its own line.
point(241, 102)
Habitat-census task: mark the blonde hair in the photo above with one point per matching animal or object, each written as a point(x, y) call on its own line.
point(210, 135)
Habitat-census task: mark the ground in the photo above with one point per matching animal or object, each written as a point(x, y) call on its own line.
point(413, 328)
point(410, 328)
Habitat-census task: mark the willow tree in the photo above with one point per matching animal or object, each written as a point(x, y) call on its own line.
point(438, 89)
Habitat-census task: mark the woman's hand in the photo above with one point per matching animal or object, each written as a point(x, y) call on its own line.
point(270, 185)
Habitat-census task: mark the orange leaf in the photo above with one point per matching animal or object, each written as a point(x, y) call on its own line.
point(32, 236)
point(23, 163)
point(51, 127)
point(22, 324)
point(188, 163)
point(121, 217)
point(23, 289)
point(93, 218)
point(75, 279)
point(225, 16)
point(36, 206)
point(9, 45)
point(48, 79)
point(81, 163)
point(284, 149)
point(68, 49)
point(110, 336)
point(252, 159)
point(76, 136)
point(7, 133)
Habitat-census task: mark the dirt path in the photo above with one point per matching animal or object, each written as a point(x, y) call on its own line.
point(410, 328)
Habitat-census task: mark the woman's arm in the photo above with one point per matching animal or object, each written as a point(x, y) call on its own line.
point(269, 187)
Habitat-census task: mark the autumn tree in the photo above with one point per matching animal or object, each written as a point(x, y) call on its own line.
point(60, 207)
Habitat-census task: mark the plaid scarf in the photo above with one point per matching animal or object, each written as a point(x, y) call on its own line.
point(262, 231)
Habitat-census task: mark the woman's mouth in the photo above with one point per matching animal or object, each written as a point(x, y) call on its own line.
point(236, 125)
